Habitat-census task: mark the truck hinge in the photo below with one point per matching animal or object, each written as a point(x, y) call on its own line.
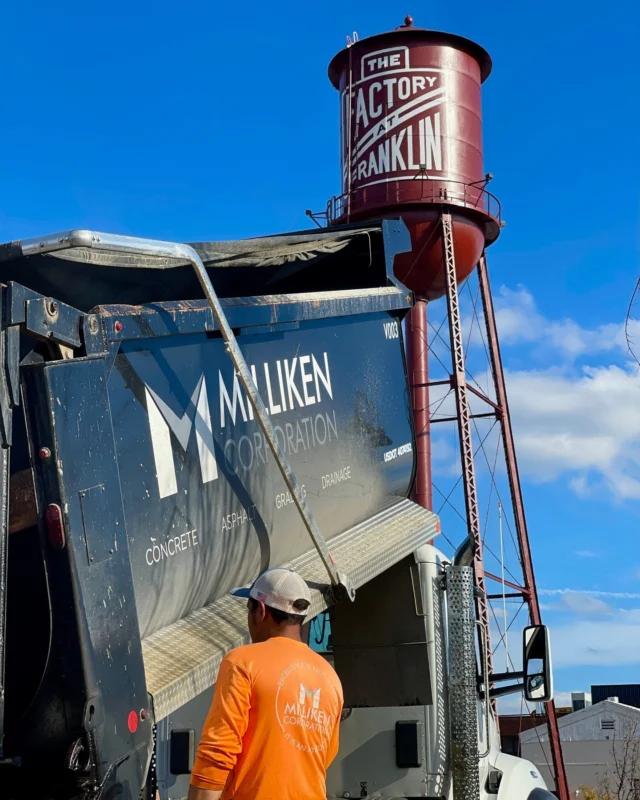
point(53, 321)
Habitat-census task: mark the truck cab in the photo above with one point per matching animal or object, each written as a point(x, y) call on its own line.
point(417, 721)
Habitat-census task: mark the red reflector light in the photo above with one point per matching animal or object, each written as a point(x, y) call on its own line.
point(132, 722)
point(55, 526)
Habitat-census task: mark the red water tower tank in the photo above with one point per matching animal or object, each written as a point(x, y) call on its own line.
point(411, 145)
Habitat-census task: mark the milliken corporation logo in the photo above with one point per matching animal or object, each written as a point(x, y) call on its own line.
point(285, 385)
point(162, 420)
point(303, 710)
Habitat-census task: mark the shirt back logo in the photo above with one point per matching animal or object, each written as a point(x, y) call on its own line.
point(307, 716)
point(314, 694)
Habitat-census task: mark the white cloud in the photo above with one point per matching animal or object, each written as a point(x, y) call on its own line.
point(605, 642)
point(590, 633)
point(585, 604)
point(516, 704)
point(572, 419)
point(605, 636)
point(580, 486)
point(586, 425)
point(583, 423)
point(586, 553)
point(444, 456)
point(519, 320)
point(592, 592)
point(562, 699)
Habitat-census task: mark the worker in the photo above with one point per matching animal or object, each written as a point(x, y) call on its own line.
point(272, 729)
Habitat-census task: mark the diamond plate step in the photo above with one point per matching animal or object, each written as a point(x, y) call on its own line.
point(182, 660)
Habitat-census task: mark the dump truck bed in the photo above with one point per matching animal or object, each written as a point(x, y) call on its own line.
point(144, 488)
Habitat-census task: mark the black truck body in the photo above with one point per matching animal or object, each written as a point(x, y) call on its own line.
point(138, 488)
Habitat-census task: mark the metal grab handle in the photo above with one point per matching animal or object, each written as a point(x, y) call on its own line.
point(485, 676)
point(151, 247)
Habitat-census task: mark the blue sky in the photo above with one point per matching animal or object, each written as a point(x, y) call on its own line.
point(205, 121)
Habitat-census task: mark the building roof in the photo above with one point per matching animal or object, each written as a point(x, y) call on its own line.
point(566, 723)
point(515, 724)
point(628, 693)
point(614, 686)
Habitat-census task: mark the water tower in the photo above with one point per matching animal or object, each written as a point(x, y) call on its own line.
point(411, 147)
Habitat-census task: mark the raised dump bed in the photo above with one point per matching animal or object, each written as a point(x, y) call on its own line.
point(142, 487)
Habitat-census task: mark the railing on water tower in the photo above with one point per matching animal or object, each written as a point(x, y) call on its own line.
point(419, 189)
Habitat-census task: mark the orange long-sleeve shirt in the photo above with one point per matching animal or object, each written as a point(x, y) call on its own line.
point(272, 729)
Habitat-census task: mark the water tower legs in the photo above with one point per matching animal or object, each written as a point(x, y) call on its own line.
point(418, 368)
point(529, 591)
point(463, 414)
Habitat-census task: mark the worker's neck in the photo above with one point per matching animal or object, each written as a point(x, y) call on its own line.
point(286, 632)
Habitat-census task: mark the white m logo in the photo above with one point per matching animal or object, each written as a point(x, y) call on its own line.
point(162, 419)
point(313, 694)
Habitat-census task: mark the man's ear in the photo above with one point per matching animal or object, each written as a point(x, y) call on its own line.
point(261, 611)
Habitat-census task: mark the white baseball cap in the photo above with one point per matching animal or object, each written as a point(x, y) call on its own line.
point(277, 588)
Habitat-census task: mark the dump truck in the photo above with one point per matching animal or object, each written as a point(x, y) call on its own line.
point(174, 419)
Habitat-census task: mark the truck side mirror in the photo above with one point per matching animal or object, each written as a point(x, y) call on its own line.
point(536, 664)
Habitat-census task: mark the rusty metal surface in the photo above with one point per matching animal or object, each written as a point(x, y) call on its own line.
point(22, 506)
point(344, 258)
point(410, 108)
point(406, 33)
point(192, 316)
point(411, 144)
point(418, 371)
point(459, 385)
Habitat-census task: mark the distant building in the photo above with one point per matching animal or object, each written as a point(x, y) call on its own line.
point(512, 725)
point(580, 700)
point(627, 693)
point(587, 738)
